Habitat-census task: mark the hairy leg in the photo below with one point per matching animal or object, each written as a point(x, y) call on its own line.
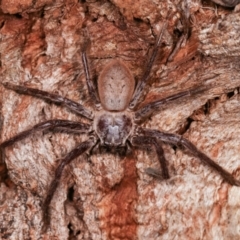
point(146, 141)
point(144, 112)
point(179, 140)
point(143, 81)
point(80, 149)
point(55, 124)
point(91, 88)
point(54, 98)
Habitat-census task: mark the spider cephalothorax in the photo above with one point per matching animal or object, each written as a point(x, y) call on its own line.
point(116, 120)
point(113, 128)
point(114, 124)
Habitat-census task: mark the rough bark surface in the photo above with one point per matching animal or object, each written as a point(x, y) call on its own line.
point(106, 196)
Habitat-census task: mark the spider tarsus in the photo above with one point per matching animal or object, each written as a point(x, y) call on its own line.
point(15, 87)
point(228, 177)
point(46, 221)
point(234, 182)
point(237, 183)
point(155, 173)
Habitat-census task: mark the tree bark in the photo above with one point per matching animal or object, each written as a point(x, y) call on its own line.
point(106, 195)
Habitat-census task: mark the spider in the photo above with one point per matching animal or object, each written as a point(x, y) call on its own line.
point(116, 122)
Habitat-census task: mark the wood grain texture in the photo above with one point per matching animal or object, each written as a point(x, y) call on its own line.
point(106, 196)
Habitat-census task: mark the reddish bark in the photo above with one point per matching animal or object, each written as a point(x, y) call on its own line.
point(106, 197)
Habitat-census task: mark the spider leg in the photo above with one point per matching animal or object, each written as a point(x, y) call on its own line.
point(142, 83)
point(91, 88)
point(185, 29)
point(176, 48)
point(179, 140)
point(80, 149)
point(144, 112)
point(146, 141)
point(54, 98)
point(72, 126)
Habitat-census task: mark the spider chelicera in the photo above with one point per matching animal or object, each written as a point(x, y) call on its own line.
point(116, 121)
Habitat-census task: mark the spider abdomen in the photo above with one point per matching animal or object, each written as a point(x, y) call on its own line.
point(115, 86)
point(113, 128)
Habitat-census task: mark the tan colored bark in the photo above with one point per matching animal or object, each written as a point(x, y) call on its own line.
point(113, 198)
